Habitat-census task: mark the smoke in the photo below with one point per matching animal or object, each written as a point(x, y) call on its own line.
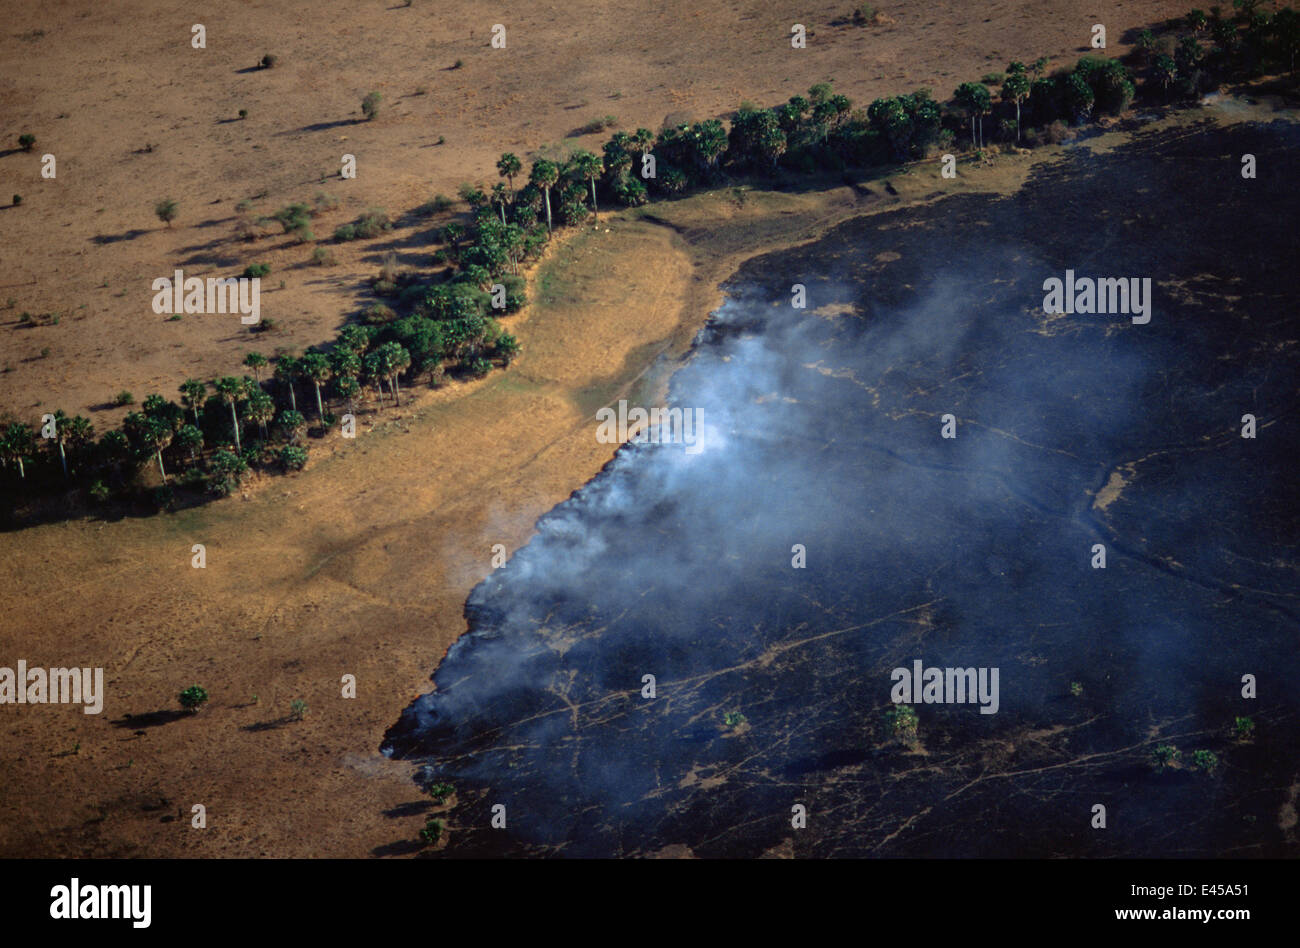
point(821, 429)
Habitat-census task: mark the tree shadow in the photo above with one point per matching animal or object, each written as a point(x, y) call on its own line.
point(324, 126)
point(414, 808)
point(132, 234)
point(402, 847)
point(151, 719)
point(267, 725)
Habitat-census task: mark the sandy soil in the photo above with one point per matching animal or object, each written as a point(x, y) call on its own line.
point(362, 563)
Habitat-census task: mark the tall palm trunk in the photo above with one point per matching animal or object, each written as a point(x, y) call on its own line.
point(546, 193)
point(64, 458)
point(594, 209)
point(293, 402)
point(161, 469)
point(234, 424)
point(397, 393)
point(320, 410)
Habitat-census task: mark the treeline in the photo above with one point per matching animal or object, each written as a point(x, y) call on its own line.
point(429, 324)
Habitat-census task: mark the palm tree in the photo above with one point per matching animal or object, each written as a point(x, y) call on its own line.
point(349, 388)
point(261, 409)
point(60, 434)
point(544, 175)
point(353, 338)
point(193, 393)
point(499, 199)
point(1015, 88)
point(396, 360)
point(16, 443)
point(508, 165)
point(255, 361)
point(642, 141)
point(374, 364)
point(317, 368)
point(79, 432)
point(150, 434)
point(286, 370)
point(229, 389)
point(292, 422)
point(975, 101)
point(589, 167)
point(191, 439)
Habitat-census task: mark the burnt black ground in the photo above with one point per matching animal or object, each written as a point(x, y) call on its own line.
point(824, 430)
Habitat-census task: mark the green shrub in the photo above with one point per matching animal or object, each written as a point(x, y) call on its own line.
point(26, 141)
point(123, 398)
point(99, 492)
point(439, 791)
point(257, 270)
point(370, 105)
point(268, 61)
point(298, 709)
point(1244, 727)
point(293, 457)
point(1205, 760)
point(733, 719)
point(903, 723)
point(166, 211)
point(344, 233)
point(193, 697)
point(378, 314)
point(323, 257)
point(432, 831)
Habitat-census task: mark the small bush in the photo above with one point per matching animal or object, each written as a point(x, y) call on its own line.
point(903, 723)
point(345, 232)
point(243, 113)
point(733, 719)
point(432, 831)
point(99, 492)
point(439, 791)
point(268, 61)
point(293, 457)
point(257, 270)
point(322, 257)
point(1205, 760)
point(1076, 688)
point(1244, 727)
point(166, 211)
point(457, 64)
point(123, 398)
point(193, 697)
point(26, 141)
point(18, 199)
point(378, 314)
point(598, 125)
point(372, 223)
point(370, 105)
point(298, 709)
